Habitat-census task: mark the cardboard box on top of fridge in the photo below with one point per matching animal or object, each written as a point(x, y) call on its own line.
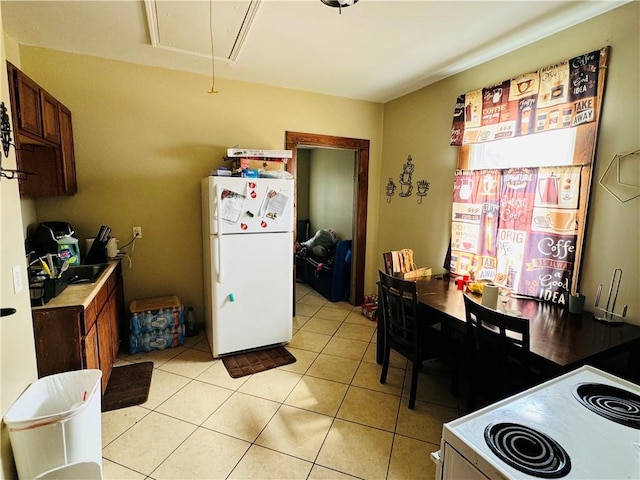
point(259, 164)
point(248, 152)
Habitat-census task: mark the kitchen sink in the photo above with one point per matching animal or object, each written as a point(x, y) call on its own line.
point(85, 273)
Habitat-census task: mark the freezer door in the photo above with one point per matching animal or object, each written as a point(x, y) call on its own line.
point(248, 205)
point(252, 291)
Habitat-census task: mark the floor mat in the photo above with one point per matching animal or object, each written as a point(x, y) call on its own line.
point(128, 386)
point(243, 364)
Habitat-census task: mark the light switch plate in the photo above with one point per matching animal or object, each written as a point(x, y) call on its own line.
point(17, 279)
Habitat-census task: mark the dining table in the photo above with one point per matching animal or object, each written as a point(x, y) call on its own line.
point(559, 340)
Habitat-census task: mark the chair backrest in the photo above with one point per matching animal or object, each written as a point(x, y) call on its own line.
point(496, 340)
point(399, 303)
point(388, 262)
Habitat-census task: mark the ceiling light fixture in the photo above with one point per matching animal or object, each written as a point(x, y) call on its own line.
point(339, 4)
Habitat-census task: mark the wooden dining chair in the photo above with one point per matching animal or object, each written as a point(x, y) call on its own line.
point(498, 353)
point(403, 330)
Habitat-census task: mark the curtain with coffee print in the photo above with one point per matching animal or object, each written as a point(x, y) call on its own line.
point(517, 227)
point(519, 211)
point(558, 96)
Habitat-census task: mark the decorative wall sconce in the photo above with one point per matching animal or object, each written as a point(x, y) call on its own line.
point(5, 129)
point(423, 189)
point(390, 189)
point(5, 136)
point(406, 185)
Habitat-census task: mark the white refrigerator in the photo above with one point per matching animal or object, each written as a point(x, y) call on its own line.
point(248, 262)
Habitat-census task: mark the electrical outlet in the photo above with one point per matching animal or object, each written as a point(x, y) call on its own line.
point(17, 279)
point(137, 232)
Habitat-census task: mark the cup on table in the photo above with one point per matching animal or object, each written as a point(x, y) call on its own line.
point(576, 303)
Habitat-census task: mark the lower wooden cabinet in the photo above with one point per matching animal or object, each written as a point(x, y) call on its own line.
point(82, 336)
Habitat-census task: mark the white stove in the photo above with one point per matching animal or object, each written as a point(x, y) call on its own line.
point(582, 425)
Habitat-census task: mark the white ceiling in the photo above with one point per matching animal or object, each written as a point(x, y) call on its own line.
point(374, 50)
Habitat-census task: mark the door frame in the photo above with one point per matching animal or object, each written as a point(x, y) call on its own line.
point(361, 148)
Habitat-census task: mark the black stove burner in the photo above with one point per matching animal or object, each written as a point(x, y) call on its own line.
point(612, 403)
point(527, 450)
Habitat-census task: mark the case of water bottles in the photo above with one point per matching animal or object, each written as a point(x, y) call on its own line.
point(156, 324)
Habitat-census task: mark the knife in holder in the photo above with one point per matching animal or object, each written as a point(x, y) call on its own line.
point(98, 251)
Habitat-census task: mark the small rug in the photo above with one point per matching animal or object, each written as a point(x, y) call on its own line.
point(128, 386)
point(243, 364)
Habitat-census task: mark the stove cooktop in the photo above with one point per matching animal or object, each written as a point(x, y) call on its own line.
point(527, 450)
point(612, 403)
point(555, 424)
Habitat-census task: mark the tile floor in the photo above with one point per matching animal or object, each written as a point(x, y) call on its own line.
point(324, 416)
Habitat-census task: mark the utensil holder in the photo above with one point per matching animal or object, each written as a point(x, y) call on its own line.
point(52, 287)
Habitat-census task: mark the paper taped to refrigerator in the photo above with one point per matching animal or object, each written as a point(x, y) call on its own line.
point(273, 205)
point(231, 205)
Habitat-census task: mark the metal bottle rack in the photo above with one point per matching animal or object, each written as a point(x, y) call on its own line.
point(609, 315)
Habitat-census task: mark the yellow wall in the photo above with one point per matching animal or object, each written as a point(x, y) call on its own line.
point(419, 124)
point(145, 136)
point(17, 350)
point(331, 191)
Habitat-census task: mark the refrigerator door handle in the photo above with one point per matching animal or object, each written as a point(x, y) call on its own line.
point(218, 214)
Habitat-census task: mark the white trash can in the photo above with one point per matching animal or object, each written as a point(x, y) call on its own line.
point(56, 422)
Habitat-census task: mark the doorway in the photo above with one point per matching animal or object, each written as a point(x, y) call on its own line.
point(361, 149)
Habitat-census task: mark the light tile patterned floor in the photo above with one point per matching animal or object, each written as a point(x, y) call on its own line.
point(325, 416)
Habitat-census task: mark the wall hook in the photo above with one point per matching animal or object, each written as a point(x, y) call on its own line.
point(390, 189)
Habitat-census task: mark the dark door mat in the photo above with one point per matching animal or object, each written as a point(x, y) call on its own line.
point(128, 386)
point(243, 364)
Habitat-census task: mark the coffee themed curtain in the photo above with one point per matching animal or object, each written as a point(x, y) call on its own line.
point(563, 95)
point(522, 226)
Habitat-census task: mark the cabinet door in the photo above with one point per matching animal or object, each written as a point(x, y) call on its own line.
point(105, 343)
point(120, 322)
point(68, 162)
point(29, 106)
point(50, 117)
point(57, 337)
point(43, 163)
point(91, 352)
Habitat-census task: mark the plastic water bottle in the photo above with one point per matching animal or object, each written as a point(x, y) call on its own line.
point(133, 344)
point(168, 335)
point(191, 329)
point(161, 320)
point(146, 321)
point(181, 335)
point(135, 324)
point(146, 338)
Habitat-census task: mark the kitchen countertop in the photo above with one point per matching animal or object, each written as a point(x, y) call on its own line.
point(80, 294)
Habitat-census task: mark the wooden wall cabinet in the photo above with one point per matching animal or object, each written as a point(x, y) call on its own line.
point(50, 117)
point(43, 136)
point(77, 337)
point(68, 160)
